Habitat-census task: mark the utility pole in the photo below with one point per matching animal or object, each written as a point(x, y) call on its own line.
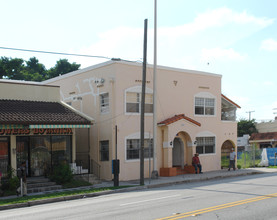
point(115, 163)
point(142, 110)
point(250, 114)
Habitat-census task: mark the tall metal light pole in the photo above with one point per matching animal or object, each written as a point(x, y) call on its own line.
point(155, 172)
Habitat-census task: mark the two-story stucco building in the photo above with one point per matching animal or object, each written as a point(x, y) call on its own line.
point(192, 115)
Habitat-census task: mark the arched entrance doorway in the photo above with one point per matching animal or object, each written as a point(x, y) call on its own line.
point(225, 151)
point(182, 150)
point(178, 153)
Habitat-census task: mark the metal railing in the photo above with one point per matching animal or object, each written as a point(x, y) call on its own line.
point(82, 163)
point(95, 168)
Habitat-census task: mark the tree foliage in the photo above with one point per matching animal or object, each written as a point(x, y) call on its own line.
point(32, 70)
point(246, 127)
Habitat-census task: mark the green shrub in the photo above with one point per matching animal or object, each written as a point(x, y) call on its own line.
point(239, 166)
point(62, 174)
point(10, 183)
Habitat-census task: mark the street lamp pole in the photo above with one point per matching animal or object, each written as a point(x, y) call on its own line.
point(155, 172)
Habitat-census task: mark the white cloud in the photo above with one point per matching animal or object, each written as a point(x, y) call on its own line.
point(269, 44)
point(223, 16)
point(219, 17)
point(219, 28)
point(222, 54)
point(268, 83)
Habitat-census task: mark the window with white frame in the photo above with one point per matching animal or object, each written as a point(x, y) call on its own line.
point(133, 102)
point(133, 148)
point(104, 103)
point(104, 150)
point(205, 145)
point(204, 106)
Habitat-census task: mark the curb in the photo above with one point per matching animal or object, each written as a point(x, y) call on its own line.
point(128, 189)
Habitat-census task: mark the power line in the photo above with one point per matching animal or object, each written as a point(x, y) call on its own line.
point(69, 54)
point(58, 53)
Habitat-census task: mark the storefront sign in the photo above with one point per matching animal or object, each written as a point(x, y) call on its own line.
point(37, 131)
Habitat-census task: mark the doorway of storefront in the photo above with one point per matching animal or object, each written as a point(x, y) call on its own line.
point(43, 153)
point(178, 153)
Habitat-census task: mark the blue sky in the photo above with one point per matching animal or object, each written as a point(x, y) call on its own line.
point(234, 38)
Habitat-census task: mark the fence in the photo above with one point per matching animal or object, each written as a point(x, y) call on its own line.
point(250, 158)
point(245, 159)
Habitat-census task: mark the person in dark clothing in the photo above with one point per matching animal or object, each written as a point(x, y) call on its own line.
point(196, 163)
point(22, 172)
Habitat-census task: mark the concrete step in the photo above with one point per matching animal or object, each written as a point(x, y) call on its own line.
point(43, 189)
point(41, 184)
point(37, 179)
point(89, 178)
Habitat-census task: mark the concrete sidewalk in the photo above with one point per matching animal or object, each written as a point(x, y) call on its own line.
point(187, 178)
point(148, 183)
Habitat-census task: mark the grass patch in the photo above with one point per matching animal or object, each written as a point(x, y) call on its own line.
point(225, 161)
point(272, 167)
point(55, 195)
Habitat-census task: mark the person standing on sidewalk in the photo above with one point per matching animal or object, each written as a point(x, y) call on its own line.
point(24, 180)
point(233, 156)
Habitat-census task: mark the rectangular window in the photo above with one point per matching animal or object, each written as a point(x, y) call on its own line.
point(205, 145)
point(4, 155)
point(148, 103)
point(133, 148)
point(133, 101)
point(204, 106)
point(104, 150)
point(104, 103)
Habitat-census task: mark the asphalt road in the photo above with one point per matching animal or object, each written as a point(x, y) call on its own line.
point(248, 197)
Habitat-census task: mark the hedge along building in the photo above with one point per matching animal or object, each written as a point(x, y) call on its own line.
point(192, 115)
point(36, 127)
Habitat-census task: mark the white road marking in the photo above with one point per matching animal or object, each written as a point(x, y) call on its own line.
point(137, 202)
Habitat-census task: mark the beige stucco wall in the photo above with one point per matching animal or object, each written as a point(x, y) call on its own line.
point(17, 90)
point(176, 90)
point(264, 127)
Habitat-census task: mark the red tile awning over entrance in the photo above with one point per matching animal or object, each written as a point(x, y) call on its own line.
point(177, 118)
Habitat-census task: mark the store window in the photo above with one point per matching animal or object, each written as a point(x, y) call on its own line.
point(61, 150)
point(22, 152)
point(104, 150)
point(4, 155)
point(42, 153)
point(205, 145)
